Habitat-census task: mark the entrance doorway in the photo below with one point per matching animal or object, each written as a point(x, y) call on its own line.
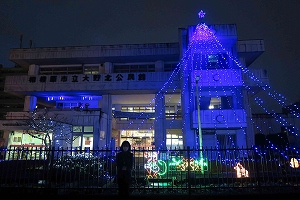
point(138, 138)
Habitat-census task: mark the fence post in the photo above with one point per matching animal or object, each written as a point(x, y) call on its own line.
point(50, 165)
point(256, 158)
point(189, 170)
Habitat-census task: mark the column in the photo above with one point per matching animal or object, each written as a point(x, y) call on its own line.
point(108, 68)
point(241, 138)
point(159, 125)
point(250, 140)
point(159, 66)
point(105, 128)
point(30, 103)
point(33, 70)
point(189, 138)
point(188, 134)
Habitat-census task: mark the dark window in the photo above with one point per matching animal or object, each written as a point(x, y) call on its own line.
point(134, 68)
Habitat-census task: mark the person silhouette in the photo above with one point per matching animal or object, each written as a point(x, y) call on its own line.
point(124, 161)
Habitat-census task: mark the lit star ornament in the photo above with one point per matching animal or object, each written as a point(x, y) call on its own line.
point(201, 14)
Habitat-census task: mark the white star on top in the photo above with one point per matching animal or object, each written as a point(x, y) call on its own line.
point(201, 14)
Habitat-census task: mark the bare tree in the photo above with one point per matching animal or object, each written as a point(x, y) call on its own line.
point(49, 127)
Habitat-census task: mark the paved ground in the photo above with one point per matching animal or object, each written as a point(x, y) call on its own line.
point(162, 197)
point(232, 194)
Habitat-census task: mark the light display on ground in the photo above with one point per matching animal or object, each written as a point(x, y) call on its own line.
point(156, 168)
point(241, 172)
point(294, 163)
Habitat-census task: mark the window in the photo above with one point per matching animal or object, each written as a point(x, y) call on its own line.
point(134, 112)
point(172, 111)
point(211, 103)
point(67, 105)
point(212, 62)
point(169, 67)
point(208, 132)
point(85, 129)
point(88, 129)
point(17, 139)
point(55, 69)
point(84, 141)
point(138, 138)
point(59, 105)
point(148, 109)
point(215, 103)
point(121, 68)
point(133, 68)
point(226, 141)
point(174, 141)
point(212, 58)
point(77, 129)
point(91, 69)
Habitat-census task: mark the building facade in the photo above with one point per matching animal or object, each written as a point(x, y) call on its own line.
point(194, 92)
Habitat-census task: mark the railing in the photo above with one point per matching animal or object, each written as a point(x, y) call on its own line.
point(178, 171)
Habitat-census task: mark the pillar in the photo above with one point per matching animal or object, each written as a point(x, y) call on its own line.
point(105, 128)
point(30, 103)
point(159, 125)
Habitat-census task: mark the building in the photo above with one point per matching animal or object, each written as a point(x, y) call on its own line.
point(9, 103)
point(188, 93)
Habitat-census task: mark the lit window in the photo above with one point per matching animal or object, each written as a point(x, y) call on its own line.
point(215, 103)
point(88, 129)
point(212, 58)
point(77, 129)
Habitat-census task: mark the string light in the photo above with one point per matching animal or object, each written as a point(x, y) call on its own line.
point(227, 75)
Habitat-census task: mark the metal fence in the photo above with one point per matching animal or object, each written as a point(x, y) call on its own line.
point(177, 171)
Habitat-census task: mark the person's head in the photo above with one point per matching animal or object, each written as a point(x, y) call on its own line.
point(125, 146)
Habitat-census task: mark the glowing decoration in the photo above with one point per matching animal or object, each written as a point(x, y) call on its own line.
point(201, 14)
point(203, 33)
point(73, 98)
point(182, 164)
point(241, 172)
point(294, 163)
point(153, 166)
point(194, 165)
point(157, 168)
point(206, 53)
point(162, 166)
point(43, 126)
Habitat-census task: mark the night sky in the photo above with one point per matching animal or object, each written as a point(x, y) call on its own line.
point(54, 23)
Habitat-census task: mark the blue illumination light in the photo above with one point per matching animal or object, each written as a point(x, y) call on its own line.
point(74, 98)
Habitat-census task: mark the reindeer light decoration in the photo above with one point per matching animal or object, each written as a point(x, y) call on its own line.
point(241, 172)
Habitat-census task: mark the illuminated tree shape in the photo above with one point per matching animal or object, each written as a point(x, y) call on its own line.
point(203, 33)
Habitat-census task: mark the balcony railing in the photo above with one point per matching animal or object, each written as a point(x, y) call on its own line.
point(220, 118)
